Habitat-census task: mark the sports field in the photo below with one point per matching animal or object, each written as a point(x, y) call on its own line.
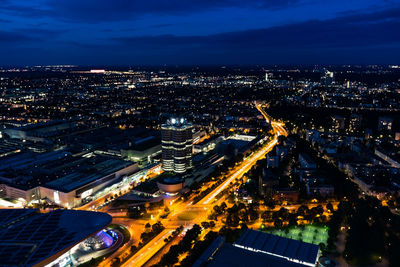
point(307, 233)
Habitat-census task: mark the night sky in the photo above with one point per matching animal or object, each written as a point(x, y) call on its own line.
point(185, 32)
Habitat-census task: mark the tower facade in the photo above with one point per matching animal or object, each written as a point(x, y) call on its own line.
point(177, 145)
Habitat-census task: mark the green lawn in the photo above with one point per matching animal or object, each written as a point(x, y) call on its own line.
point(307, 233)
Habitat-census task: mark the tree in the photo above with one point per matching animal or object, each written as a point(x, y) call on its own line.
point(302, 211)
point(116, 261)
point(253, 215)
point(212, 216)
point(292, 220)
point(329, 207)
point(270, 203)
point(92, 262)
point(266, 216)
point(319, 209)
point(283, 214)
point(157, 227)
point(232, 220)
point(217, 210)
point(205, 225)
point(278, 223)
point(223, 206)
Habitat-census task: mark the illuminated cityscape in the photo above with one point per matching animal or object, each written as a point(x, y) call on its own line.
point(220, 133)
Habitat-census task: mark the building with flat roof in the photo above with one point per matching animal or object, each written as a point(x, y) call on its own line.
point(143, 150)
point(40, 132)
point(385, 124)
point(177, 145)
point(71, 190)
point(59, 177)
point(31, 238)
point(306, 162)
point(255, 248)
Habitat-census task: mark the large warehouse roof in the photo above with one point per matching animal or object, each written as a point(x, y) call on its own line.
point(231, 256)
point(286, 248)
point(28, 237)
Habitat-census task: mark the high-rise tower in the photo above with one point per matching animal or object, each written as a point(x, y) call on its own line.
point(177, 145)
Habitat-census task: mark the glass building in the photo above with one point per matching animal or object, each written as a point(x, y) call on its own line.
point(177, 145)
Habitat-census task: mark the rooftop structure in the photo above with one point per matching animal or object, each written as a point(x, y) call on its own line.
point(171, 185)
point(306, 162)
point(59, 177)
point(255, 248)
point(230, 255)
point(40, 131)
point(281, 247)
point(30, 238)
point(385, 124)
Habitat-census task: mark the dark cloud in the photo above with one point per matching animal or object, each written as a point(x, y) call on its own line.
point(40, 32)
point(27, 36)
point(4, 20)
point(357, 33)
point(95, 11)
point(14, 38)
point(23, 11)
point(351, 38)
point(358, 30)
point(163, 25)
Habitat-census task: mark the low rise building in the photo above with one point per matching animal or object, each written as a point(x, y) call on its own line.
point(59, 177)
point(306, 162)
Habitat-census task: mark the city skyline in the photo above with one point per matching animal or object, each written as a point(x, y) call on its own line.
point(300, 156)
point(199, 133)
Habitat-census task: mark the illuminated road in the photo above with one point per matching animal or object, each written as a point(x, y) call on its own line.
point(173, 221)
point(240, 171)
point(247, 164)
point(151, 248)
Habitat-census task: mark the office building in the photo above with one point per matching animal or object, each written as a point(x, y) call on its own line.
point(177, 145)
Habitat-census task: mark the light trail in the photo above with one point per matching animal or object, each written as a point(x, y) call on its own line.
point(242, 170)
point(151, 248)
point(157, 243)
point(278, 129)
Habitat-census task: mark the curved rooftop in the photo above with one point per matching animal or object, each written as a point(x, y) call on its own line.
point(28, 237)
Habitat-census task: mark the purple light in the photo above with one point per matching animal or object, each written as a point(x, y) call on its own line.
point(107, 239)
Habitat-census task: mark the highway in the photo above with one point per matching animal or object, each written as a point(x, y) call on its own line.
point(173, 221)
point(151, 248)
point(248, 163)
point(202, 207)
point(240, 171)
